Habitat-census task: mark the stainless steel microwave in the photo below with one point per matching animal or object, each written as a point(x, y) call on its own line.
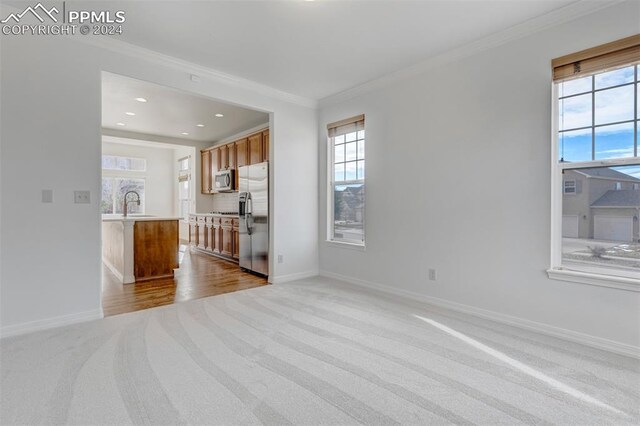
point(224, 181)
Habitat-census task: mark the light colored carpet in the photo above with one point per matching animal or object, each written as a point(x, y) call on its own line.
point(311, 352)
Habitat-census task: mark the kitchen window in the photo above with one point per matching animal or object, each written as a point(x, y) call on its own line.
point(346, 198)
point(596, 131)
point(120, 175)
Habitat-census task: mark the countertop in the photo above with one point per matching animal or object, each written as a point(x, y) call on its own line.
point(134, 218)
point(235, 216)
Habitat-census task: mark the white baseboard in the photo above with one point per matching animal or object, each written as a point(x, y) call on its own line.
point(29, 327)
point(292, 277)
point(113, 269)
point(546, 329)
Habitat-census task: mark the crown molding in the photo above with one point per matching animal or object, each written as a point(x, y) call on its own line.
point(556, 17)
point(132, 50)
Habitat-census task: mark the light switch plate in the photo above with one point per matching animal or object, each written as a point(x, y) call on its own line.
point(47, 195)
point(82, 197)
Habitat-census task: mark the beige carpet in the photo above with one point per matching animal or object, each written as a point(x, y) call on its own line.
point(311, 352)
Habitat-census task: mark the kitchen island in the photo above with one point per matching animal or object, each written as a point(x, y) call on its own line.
point(140, 248)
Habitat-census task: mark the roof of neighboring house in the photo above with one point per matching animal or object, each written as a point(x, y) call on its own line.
point(605, 172)
point(619, 198)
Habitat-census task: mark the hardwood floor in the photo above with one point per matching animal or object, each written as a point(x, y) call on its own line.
point(199, 276)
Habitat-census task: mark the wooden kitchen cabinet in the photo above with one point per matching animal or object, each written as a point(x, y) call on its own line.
point(226, 226)
point(235, 234)
point(215, 163)
point(206, 182)
point(203, 238)
point(215, 235)
point(255, 148)
point(265, 145)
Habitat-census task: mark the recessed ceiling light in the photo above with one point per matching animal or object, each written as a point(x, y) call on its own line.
point(219, 115)
point(185, 133)
point(199, 125)
point(141, 100)
point(120, 124)
point(130, 113)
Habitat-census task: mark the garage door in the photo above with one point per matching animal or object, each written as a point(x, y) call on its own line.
point(570, 226)
point(614, 228)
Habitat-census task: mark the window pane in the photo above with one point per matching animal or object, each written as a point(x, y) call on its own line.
point(599, 221)
point(573, 87)
point(614, 78)
point(360, 169)
point(106, 203)
point(361, 134)
point(638, 100)
point(614, 105)
point(351, 151)
point(112, 162)
point(614, 141)
point(360, 150)
point(339, 172)
point(351, 136)
point(183, 190)
point(348, 213)
point(338, 139)
point(125, 185)
point(350, 171)
point(339, 154)
point(575, 112)
point(575, 145)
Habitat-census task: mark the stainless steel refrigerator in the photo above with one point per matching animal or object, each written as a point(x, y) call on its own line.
point(253, 210)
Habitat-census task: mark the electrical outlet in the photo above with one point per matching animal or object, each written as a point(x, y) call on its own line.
point(82, 197)
point(280, 258)
point(432, 274)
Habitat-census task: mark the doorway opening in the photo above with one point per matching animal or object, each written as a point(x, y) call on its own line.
point(172, 228)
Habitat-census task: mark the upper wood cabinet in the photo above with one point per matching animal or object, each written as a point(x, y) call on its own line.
point(242, 152)
point(215, 162)
point(255, 148)
point(205, 157)
point(231, 156)
point(265, 145)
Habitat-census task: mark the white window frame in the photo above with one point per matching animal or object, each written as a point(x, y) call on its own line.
point(181, 173)
point(343, 243)
point(594, 276)
point(574, 186)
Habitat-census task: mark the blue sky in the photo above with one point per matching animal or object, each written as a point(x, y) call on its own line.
point(611, 106)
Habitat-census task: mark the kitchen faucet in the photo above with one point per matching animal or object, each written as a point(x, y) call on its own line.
point(125, 207)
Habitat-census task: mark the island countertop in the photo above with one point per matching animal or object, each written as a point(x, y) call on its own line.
point(135, 218)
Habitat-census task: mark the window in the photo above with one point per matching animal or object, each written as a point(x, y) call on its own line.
point(184, 187)
point(346, 181)
point(113, 191)
point(569, 186)
point(120, 175)
point(112, 162)
point(595, 233)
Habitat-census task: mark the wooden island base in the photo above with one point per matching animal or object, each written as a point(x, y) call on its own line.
point(155, 249)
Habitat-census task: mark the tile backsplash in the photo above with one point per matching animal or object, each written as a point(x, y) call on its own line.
point(225, 202)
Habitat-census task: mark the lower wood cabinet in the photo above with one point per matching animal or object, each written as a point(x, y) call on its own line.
point(216, 235)
point(235, 234)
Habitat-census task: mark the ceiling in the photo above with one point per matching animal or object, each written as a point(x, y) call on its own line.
point(170, 112)
point(317, 48)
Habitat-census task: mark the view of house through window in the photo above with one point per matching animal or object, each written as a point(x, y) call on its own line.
point(598, 121)
point(347, 193)
point(120, 175)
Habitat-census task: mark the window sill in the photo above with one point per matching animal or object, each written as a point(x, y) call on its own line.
point(344, 245)
point(600, 280)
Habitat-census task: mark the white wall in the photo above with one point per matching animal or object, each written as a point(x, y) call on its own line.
point(160, 185)
point(458, 179)
point(51, 138)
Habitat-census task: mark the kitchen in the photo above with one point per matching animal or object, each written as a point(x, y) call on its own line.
point(178, 225)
